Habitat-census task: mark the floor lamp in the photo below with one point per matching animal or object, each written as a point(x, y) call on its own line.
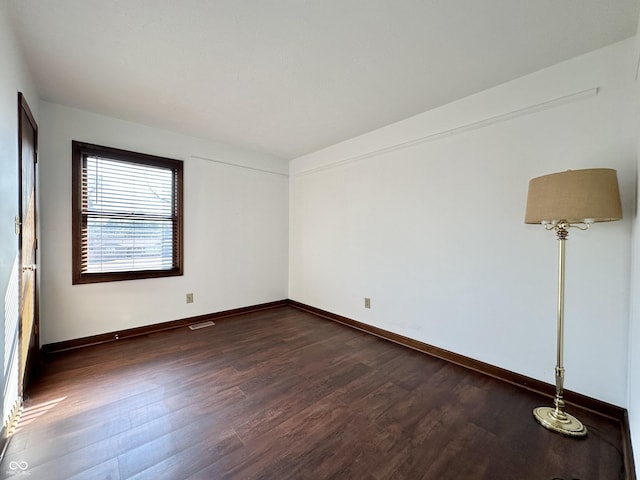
point(559, 201)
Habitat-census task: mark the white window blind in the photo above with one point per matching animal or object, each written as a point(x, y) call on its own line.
point(129, 214)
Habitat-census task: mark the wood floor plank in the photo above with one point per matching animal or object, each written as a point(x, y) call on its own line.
point(283, 394)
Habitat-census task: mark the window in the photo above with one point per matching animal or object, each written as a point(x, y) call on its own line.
point(127, 215)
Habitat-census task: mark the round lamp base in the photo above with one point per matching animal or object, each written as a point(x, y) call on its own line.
point(562, 423)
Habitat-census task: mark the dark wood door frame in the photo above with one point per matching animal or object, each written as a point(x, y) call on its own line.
point(28, 321)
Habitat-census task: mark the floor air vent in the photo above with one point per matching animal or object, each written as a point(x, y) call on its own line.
point(197, 326)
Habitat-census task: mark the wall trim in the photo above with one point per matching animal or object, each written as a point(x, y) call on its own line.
point(246, 167)
point(627, 449)
point(598, 406)
point(156, 327)
point(537, 107)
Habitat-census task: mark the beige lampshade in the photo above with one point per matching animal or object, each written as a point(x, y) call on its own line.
point(576, 196)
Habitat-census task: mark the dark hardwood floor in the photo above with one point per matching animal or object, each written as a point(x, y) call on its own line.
point(283, 394)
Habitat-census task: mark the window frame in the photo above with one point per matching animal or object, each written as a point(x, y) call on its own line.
point(81, 150)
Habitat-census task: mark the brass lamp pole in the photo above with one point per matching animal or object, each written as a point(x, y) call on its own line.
point(575, 198)
point(557, 419)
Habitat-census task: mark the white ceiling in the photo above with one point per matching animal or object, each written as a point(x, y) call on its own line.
point(287, 77)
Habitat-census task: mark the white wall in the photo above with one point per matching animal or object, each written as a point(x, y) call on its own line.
point(14, 77)
point(433, 231)
point(236, 235)
point(634, 318)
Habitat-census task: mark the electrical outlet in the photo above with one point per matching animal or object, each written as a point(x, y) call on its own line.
point(189, 297)
point(367, 302)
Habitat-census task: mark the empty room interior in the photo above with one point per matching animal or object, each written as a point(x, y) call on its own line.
point(320, 239)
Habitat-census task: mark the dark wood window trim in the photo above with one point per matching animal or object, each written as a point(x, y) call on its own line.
point(80, 151)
